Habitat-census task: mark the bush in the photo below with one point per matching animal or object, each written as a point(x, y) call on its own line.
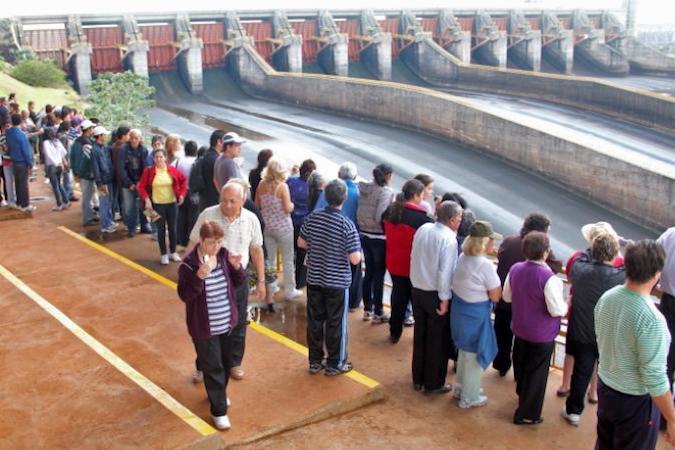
point(40, 74)
point(120, 98)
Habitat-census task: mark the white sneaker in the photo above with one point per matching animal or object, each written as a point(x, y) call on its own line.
point(29, 208)
point(222, 422)
point(457, 391)
point(481, 401)
point(572, 419)
point(294, 293)
point(164, 260)
point(175, 257)
point(197, 376)
point(4, 203)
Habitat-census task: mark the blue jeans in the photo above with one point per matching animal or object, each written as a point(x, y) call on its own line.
point(67, 185)
point(105, 210)
point(88, 188)
point(54, 174)
point(132, 213)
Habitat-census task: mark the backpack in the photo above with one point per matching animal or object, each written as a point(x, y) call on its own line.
point(197, 177)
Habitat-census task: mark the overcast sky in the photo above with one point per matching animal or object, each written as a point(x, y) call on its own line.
point(649, 11)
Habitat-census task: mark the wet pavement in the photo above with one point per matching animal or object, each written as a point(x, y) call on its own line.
point(495, 190)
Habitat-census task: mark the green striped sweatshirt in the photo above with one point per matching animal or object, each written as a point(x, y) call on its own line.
point(633, 341)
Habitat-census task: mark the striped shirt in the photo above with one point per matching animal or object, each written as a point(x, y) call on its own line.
point(217, 303)
point(240, 234)
point(633, 341)
point(331, 237)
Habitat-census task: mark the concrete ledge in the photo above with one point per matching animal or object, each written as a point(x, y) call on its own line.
point(642, 191)
point(634, 105)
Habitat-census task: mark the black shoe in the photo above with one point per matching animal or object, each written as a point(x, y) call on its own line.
point(394, 339)
point(146, 230)
point(418, 387)
point(502, 372)
point(519, 421)
point(333, 371)
point(441, 390)
point(73, 199)
point(271, 308)
point(315, 368)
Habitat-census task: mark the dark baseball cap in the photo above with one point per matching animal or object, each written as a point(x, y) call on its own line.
point(483, 229)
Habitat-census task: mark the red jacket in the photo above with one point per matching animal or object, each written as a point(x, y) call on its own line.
point(145, 183)
point(400, 237)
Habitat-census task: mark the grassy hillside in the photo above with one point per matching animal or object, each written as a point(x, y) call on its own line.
point(41, 96)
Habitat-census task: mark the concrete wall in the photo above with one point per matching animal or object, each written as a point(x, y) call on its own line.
point(645, 193)
point(643, 58)
point(653, 110)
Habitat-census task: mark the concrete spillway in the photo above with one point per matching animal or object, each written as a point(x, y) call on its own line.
point(496, 191)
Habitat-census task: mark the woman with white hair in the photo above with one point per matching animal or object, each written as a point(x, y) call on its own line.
point(274, 200)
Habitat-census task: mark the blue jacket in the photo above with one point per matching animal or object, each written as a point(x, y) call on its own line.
point(350, 205)
point(131, 164)
point(101, 164)
point(19, 147)
point(472, 329)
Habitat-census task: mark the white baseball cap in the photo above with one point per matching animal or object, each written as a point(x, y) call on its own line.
point(233, 137)
point(87, 124)
point(99, 130)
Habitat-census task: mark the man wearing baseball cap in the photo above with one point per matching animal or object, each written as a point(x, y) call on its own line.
point(80, 162)
point(226, 167)
point(104, 175)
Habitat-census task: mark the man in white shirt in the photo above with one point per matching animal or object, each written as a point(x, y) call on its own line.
point(667, 287)
point(433, 259)
point(243, 236)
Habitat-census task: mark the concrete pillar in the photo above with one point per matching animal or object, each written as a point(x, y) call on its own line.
point(79, 56)
point(524, 47)
point(136, 48)
point(333, 57)
point(592, 49)
point(557, 43)
point(489, 43)
point(287, 55)
point(376, 54)
point(235, 40)
point(452, 38)
point(189, 56)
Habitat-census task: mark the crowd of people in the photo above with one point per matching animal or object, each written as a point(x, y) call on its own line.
point(444, 280)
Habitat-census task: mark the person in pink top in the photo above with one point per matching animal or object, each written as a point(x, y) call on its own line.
point(274, 200)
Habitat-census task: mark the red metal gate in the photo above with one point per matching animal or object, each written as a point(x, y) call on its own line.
point(106, 53)
point(212, 34)
point(260, 32)
point(351, 28)
point(48, 44)
point(162, 50)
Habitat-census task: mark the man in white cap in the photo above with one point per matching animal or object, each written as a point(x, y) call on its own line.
point(226, 166)
point(80, 162)
point(104, 176)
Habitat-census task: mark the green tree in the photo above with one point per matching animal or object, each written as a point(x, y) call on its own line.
point(120, 98)
point(39, 73)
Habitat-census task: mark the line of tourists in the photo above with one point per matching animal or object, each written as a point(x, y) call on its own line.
point(444, 280)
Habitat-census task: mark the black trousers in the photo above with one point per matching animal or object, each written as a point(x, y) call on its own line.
point(667, 308)
point(355, 289)
point(531, 361)
point(502, 325)
point(585, 356)
point(625, 421)
point(327, 309)
point(168, 216)
point(374, 252)
point(239, 332)
point(188, 213)
point(21, 174)
point(401, 294)
point(214, 358)
point(300, 267)
point(430, 341)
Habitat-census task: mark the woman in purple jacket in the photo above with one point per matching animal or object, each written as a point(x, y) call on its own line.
point(536, 295)
point(207, 278)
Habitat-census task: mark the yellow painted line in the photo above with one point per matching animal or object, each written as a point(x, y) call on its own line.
point(144, 383)
point(354, 375)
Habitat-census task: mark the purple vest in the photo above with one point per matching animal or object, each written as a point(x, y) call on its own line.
point(531, 320)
